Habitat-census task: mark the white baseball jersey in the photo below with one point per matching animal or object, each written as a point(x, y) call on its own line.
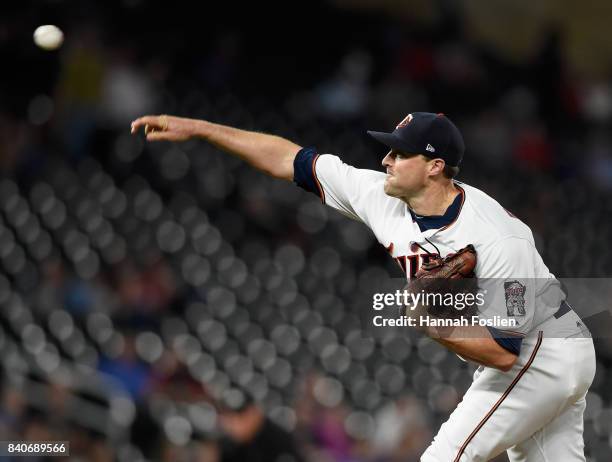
point(516, 411)
point(504, 244)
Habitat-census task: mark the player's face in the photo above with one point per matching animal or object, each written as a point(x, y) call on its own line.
point(406, 173)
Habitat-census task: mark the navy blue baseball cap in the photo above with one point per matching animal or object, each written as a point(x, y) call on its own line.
point(432, 135)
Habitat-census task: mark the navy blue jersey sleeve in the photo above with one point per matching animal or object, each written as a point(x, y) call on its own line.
point(304, 174)
point(506, 341)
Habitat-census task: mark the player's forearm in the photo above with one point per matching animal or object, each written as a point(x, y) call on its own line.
point(271, 154)
point(471, 342)
point(474, 343)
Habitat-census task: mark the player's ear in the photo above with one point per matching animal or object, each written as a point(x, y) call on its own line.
point(436, 166)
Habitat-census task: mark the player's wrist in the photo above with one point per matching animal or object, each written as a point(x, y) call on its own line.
point(202, 129)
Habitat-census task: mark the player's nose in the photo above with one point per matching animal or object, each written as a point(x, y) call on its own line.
point(387, 160)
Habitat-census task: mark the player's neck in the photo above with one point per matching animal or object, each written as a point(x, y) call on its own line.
point(434, 199)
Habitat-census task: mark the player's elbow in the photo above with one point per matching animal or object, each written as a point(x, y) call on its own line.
point(281, 172)
point(281, 169)
point(505, 361)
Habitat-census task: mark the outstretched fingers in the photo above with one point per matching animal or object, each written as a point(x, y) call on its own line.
point(157, 135)
point(149, 122)
point(163, 128)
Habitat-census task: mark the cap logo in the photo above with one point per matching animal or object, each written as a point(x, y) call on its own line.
point(430, 148)
point(404, 122)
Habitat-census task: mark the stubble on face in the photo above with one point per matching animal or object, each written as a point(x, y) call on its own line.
point(389, 188)
point(404, 177)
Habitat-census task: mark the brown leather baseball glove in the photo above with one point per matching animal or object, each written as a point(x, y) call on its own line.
point(446, 278)
point(454, 266)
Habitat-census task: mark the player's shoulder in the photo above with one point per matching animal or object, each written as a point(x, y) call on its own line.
point(333, 162)
point(488, 215)
point(366, 183)
point(363, 188)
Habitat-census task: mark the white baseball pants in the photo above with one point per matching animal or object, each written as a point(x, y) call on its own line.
point(534, 411)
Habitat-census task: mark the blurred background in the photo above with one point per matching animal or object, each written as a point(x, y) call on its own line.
point(165, 302)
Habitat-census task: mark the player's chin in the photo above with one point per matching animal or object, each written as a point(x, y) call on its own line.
point(389, 189)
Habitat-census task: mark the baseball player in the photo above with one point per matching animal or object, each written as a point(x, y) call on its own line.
point(528, 395)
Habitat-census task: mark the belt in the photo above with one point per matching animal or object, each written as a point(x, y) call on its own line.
point(564, 308)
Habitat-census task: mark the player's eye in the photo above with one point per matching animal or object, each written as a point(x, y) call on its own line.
point(402, 155)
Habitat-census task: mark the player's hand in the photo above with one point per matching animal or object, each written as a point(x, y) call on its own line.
point(166, 128)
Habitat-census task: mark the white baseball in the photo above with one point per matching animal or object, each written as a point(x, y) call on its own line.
point(48, 37)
